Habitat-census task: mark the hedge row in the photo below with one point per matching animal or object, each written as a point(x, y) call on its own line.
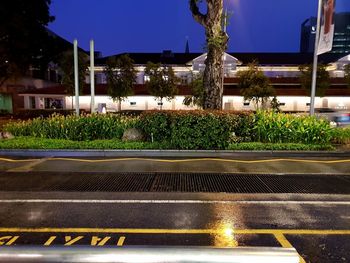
point(196, 129)
point(184, 129)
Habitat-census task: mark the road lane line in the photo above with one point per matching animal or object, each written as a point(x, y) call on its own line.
point(121, 241)
point(286, 244)
point(176, 231)
point(110, 201)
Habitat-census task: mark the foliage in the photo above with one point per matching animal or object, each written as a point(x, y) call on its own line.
point(22, 35)
point(259, 146)
point(162, 81)
point(201, 130)
point(72, 127)
point(121, 77)
point(275, 104)
point(66, 64)
point(156, 125)
point(188, 129)
point(197, 90)
point(322, 79)
point(25, 114)
point(275, 127)
point(195, 129)
point(43, 143)
point(347, 74)
point(341, 136)
point(254, 85)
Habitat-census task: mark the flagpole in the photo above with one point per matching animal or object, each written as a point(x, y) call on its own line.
point(314, 67)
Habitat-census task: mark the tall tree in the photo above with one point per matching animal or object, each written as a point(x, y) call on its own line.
point(22, 35)
point(121, 77)
point(347, 74)
point(162, 82)
point(216, 40)
point(66, 65)
point(255, 86)
point(322, 80)
point(197, 91)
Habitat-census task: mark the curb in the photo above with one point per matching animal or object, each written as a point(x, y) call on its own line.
point(170, 153)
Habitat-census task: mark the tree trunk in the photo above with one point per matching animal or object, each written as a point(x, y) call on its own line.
point(216, 44)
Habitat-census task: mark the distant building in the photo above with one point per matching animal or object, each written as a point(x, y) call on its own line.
point(281, 68)
point(341, 42)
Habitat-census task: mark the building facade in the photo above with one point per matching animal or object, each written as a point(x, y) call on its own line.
point(341, 41)
point(281, 68)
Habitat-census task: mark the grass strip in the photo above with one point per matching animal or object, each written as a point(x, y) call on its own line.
point(43, 143)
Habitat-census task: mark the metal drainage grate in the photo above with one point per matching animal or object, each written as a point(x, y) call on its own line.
point(174, 182)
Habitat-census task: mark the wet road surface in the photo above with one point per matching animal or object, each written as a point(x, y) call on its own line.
point(317, 225)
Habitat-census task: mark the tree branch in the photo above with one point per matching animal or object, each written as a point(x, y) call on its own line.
point(197, 15)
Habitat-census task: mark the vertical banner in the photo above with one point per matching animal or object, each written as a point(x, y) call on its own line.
point(327, 27)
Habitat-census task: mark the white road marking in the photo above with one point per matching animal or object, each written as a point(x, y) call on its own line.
point(264, 202)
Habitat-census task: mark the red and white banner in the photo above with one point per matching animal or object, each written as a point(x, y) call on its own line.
point(327, 27)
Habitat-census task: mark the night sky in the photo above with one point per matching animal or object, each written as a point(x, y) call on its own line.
point(155, 25)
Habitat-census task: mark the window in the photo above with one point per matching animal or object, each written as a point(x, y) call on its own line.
point(184, 80)
point(32, 102)
point(51, 103)
point(246, 103)
point(133, 103)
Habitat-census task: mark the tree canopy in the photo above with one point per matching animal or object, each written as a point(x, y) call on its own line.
point(121, 77)
point(66, 65)
point(23, 35)
point(254, 85)
point(322, 80)
point(197, 91)
point(162, 82)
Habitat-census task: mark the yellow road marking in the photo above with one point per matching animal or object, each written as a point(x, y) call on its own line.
point(182, 160)
point(121, 241)
point(286, 244)
point(178, 231)
point(17, 161)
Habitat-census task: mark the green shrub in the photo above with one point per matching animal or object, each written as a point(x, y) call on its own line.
point(341, 136)
point(275, 127)
point(156, 125)
point(195, 129)
point(77, 128)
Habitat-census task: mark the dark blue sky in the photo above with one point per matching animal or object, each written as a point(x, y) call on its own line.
point(154, 25)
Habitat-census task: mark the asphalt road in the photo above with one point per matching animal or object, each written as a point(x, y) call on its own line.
point(317, 225)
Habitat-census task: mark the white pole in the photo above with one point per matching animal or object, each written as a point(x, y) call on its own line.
point(223, 63)
point(314, 66)
point(76, 77)
point(92, 75)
